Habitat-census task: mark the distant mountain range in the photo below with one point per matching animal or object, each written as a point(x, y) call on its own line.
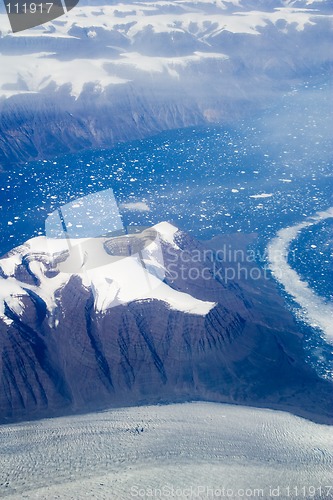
point(71, 344)
point(119, 71)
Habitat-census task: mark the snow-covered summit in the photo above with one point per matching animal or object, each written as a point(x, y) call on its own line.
point(64, 349)
point(44, 266)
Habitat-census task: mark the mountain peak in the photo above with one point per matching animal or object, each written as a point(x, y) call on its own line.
point(118, 270)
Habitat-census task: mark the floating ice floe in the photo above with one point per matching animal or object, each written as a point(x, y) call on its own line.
point(315, 310)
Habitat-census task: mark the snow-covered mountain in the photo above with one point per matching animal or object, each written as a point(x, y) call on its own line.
point(117, 71)
point(65, 349)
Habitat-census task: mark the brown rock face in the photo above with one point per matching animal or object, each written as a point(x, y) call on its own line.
point(81, 359)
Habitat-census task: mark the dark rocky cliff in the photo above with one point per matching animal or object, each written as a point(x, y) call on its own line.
point(43, 126)
point(146, 351)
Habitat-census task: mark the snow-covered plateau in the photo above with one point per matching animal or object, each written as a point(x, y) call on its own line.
point(111, 72)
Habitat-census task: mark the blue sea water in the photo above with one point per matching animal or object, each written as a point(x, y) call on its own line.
point(206, 181)
point(267, 173)
point(311, 256)
point(258, 177)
